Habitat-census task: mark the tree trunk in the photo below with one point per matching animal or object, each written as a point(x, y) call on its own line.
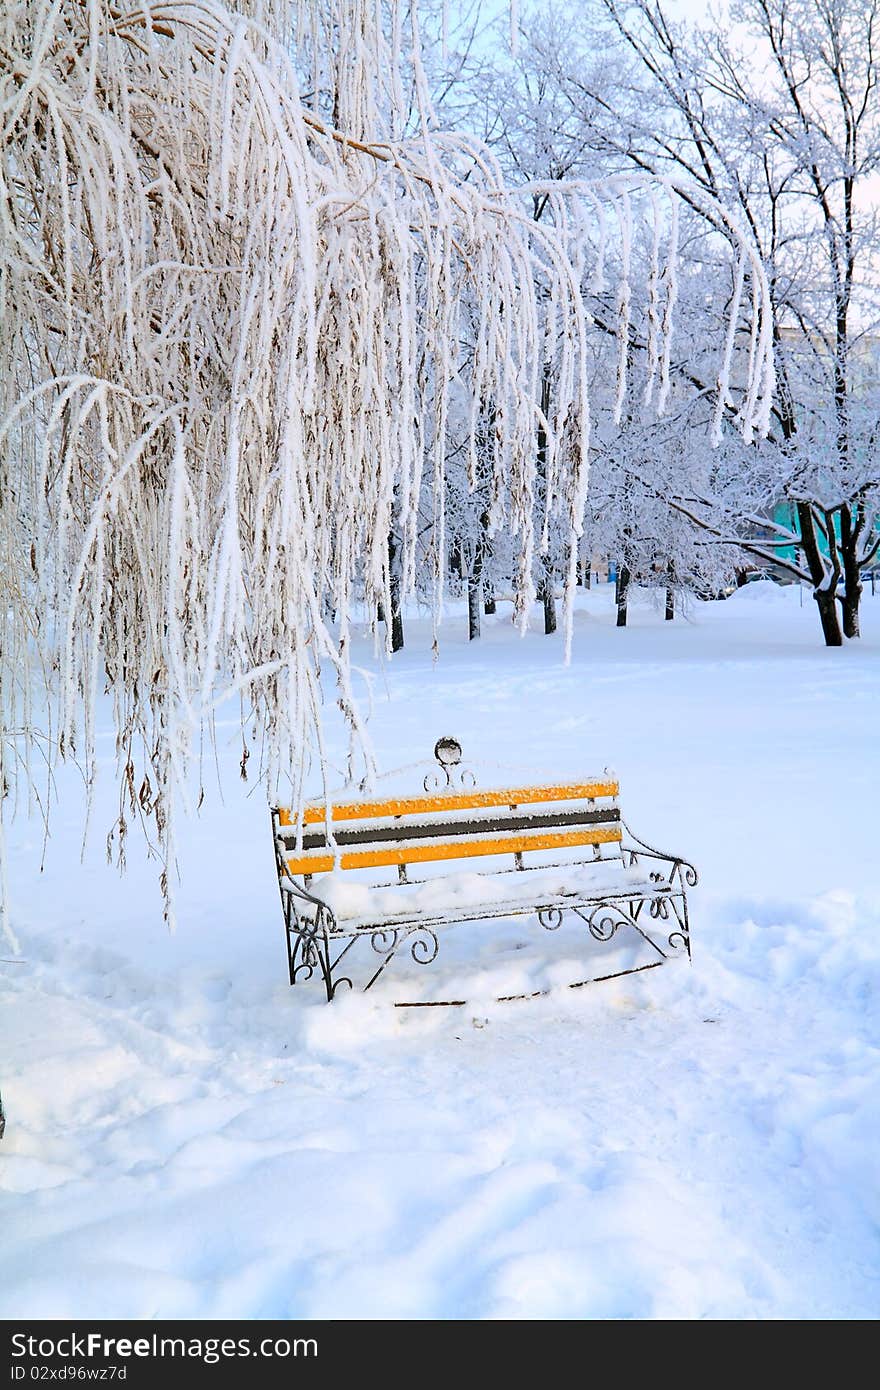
point(396, 625)
point(850, 603)
point(474, 587)
point(489, 603)
point(823, 593)
point(850, 606)
point(548, 598)
point(394, 586)
point(670, 592)
point(621, 592)
point(482, 548)
point(852, 596)
point(828, 618)
point(475, 591)
point(545, 583)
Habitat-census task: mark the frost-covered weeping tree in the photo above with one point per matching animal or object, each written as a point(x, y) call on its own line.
point(232, 284)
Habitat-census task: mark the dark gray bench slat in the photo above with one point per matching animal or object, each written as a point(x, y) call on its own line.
point(397, 833)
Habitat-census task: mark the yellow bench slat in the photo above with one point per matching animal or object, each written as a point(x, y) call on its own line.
point(463, 849)
point(455, 801)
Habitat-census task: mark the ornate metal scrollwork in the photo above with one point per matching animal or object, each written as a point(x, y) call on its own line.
point(603, 928)
point(688, 873)
point(550, 918)
point(603, 920)
point(660, 909)
point(385, 941)
point(425, 946)
point(452, 776)
point(305, 969)
point(677, 940)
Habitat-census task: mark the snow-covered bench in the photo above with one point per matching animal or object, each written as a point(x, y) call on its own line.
point(544, 850)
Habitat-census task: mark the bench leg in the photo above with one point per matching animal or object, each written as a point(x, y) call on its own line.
point(680, 934)
point(672, 912)
point(321, 947)
point(308, 947)
point(311, 948)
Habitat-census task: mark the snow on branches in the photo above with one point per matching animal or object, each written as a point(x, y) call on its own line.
point(232, 296)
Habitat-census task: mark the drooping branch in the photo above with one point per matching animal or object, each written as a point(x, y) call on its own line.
point(233, 334)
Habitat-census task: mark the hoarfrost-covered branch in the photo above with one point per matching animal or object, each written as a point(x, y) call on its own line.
point(231, 318)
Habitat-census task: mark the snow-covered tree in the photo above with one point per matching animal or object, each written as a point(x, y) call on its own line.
point(231, 310)
point(776, 112)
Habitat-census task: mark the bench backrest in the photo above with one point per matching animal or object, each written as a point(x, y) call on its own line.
point(450, 825)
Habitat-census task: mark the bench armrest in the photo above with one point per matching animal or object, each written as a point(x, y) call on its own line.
point(681, 872)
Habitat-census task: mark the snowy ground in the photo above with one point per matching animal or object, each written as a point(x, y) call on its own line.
point(188, 1138)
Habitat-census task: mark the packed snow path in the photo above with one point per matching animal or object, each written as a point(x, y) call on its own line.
point(188, 1137)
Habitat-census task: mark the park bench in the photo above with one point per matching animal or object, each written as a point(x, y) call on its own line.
point(543, 850)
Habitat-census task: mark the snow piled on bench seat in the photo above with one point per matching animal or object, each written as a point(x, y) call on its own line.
point(352, 902)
